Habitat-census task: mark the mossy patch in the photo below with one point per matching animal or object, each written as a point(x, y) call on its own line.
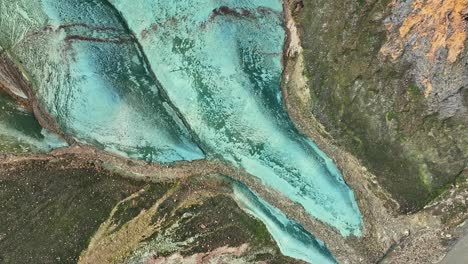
point(414, 90)
point(391, 116)
point(49, 212)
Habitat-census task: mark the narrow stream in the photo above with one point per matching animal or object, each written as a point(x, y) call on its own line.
point(292, 239)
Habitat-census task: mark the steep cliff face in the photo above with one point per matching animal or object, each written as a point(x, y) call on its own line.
point(389, 82)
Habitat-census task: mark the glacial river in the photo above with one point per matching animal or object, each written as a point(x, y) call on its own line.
point(220, 63)
point(165, 80)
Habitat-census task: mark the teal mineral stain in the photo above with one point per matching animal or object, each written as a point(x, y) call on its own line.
point(220, 63)
point(20, 132)
point(292, 239)
point(88, 72)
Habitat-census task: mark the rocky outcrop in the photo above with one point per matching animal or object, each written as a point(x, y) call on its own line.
point(388, 81)
point(432, 35)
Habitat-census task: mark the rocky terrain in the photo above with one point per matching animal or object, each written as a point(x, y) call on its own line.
point(67, 209)
point(387, 80)
point(386, 83)
point(380, 86)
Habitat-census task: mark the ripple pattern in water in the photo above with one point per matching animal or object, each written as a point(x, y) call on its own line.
point(89, 73)
point(220, 63)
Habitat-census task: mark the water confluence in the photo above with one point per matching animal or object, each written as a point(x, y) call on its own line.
point(220, 64)
point(161, 80)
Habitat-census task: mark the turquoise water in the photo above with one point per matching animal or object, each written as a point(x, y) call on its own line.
point(20, 132)
point(220, 63)
point(292, 239)
point(88, 72)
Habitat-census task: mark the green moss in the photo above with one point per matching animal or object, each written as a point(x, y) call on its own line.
point(391, 115)
point(414, 90)
point(49, 213)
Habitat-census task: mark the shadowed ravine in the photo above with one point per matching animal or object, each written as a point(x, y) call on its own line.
point(93, 66)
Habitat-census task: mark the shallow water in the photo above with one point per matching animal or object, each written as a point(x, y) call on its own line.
point(292, 239)
point(220, 63)
point(20, 132)
point(88, 72)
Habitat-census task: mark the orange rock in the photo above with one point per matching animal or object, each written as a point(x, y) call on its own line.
point(442, 21)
